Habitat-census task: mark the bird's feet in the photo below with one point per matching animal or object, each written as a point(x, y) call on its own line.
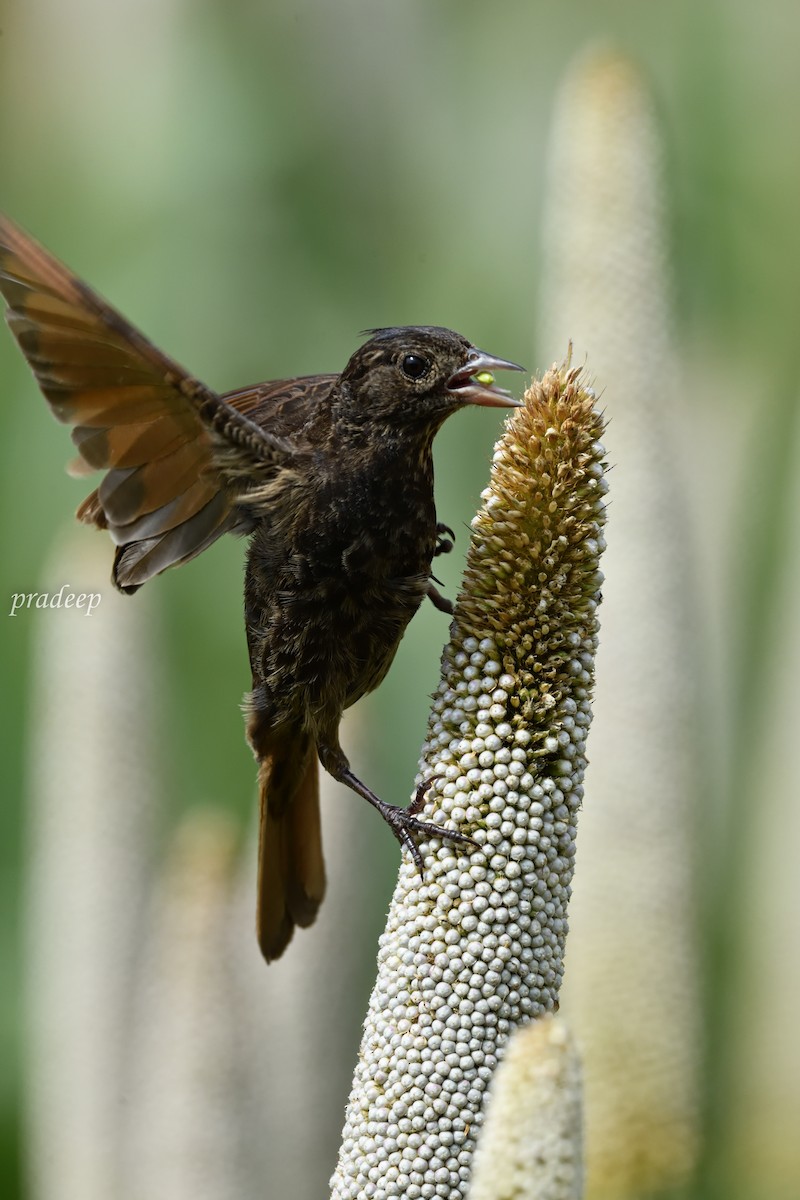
point(403, 822)
point(444, 544)
point(407, 827)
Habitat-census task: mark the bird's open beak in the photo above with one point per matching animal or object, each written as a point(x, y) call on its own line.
point(474, 382)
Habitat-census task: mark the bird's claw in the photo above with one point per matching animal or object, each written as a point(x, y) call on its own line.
point(418, 803)
point(405, 825)
point(444, 544)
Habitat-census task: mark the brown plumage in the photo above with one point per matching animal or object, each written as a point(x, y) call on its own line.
point(330, 475)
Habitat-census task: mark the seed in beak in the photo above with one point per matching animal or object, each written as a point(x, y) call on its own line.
point(486, 378)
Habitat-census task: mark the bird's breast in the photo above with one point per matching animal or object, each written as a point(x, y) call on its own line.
point(370, 521)
point(332, 586)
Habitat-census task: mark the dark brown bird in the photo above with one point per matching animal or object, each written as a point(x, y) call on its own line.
point(332, 478)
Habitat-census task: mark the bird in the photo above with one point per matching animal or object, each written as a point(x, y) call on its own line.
point(331, 479)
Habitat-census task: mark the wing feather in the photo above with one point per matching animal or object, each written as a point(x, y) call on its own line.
point(179, 458)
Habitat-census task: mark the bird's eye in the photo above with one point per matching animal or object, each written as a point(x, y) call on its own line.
point(415, 366)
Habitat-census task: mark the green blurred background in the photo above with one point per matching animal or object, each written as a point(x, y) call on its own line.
point(254, 183)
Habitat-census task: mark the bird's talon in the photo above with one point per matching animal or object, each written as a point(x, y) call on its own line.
point(416, 855)
point(407, 827)
point(418, 803)
point(444, 544)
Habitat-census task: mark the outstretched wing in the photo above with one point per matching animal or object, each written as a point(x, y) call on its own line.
point(179, 459)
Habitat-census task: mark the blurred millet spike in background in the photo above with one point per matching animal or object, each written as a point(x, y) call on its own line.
point(632, 994)
point(531, 1143)
point(475, 947)
point(185, 1129)
point(94, 796)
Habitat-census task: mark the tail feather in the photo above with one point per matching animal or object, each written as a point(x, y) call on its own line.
point(291, 870)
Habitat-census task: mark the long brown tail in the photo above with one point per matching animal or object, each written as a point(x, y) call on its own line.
point(291, 869)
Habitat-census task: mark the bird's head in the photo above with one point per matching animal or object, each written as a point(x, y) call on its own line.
point(417, 375)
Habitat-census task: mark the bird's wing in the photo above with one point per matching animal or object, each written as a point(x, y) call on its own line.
point(284, 406)
point(179, 459)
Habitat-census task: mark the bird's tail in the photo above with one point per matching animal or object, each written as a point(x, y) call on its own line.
point(291, 869)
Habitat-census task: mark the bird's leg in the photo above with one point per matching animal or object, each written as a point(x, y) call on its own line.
point(403, 822)
point(443, 544)
point(441, 602)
